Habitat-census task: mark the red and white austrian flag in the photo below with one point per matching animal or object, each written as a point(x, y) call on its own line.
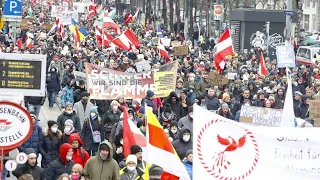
point(227, 150)
point(224, 48)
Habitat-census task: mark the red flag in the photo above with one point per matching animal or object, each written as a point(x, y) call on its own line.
point(262, 67)
point(132, 38)
point(224, 48)
point(128, 18)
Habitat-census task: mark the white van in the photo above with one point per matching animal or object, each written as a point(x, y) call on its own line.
point(306, 54)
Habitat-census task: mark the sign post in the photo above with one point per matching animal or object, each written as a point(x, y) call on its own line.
point(15, 128)
point(13, 12)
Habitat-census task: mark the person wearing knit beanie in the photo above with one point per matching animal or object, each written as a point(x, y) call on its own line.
point(77, 171)
point(136, 150)
point(51, 123)
point(155, 171)
point(226, 97)
point(131, 158)
point(94, 113)
point(150, 93)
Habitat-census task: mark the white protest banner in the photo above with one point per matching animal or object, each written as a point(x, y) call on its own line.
point(232, 75)
point(66, 16)
point(80, 7)
point(104, 83)
point(166, 41)
point(227, 150)
point(143, 66)
point(55, 10)
point(260, 116)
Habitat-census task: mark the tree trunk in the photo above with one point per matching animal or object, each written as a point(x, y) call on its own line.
point(164, 12)
point(178, 16)
point(191, 22)
point(171, 14)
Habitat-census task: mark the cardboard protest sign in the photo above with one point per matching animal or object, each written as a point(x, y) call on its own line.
point(314, 112)
point(260, 116)
point(217, 79)
point(175, 43)
point(231, 76)
point(103, 83)
point(47, 26)
point(143, 66)
point(180, 51)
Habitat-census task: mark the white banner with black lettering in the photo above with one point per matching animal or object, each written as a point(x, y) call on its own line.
point(225, 149)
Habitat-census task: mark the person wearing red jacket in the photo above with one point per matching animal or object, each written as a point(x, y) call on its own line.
point(80, 155)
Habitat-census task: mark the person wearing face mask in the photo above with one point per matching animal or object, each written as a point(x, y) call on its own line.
point(102, 166)
point(184, 143)
point(174, 130)
point(62, 164)
point(53, 85)
point(77, 172)
point(80, 155)
point(92, 131)
point(83, 107)
point(187, 121)
point(68, 130)
point(111, 117)
point(131, 171)
point(68, 114)
point(50, 143)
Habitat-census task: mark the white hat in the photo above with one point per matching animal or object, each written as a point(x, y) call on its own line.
point(131, 158)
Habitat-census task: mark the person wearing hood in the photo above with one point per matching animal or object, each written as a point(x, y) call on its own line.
point(175, 104)
point(131, 171)
point(50, 143)
point(280, 98)
point(79, 90)
point(302, 110)
point(187, 162)
point(224, 111)
point(35, 138)
point(173, 131)
point(167, 116)
point(30, 167)
point(187, 121)
point(102, 166)
point(92, 132)
point(68, 114)
point(80, 155)
point(53, 85)
point(201, 86)
point(212, 101)
point(62, 164)
point(67, 94)
point(83, 107)
point(184, 143)
point(259, 102)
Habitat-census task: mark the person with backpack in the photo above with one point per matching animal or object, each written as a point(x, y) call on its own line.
point(80, 155)
point(92, 132)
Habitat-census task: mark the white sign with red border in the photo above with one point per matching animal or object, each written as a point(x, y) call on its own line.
point(15, 125)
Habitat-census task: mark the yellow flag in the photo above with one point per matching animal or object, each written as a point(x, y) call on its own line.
point(1, 22)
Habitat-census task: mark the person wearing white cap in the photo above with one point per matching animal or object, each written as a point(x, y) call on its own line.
point(131, 171)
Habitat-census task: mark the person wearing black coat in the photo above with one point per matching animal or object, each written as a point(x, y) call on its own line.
point(62, 164)
point(103, 105)
point(302, 110)
point(62, 118)
point(53, 85)
point(78, 91)
point(184, 143)
point(30, 167)
point(50, 143)
point(111, 117)
point(35, 138)
point(90, 125)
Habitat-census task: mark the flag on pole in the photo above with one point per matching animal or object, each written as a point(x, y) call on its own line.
point(224, 48)
point(287, 116)
point(29, 40)
point(162, 50)
point(161, 152)
point(262, 67)
point(132, 38)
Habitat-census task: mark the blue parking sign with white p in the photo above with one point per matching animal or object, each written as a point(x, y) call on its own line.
point(12, 10)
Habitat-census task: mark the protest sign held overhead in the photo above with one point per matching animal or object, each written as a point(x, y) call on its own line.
point(260, 116)
point(225, 149)
point(104, 83)
point(217, 79)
